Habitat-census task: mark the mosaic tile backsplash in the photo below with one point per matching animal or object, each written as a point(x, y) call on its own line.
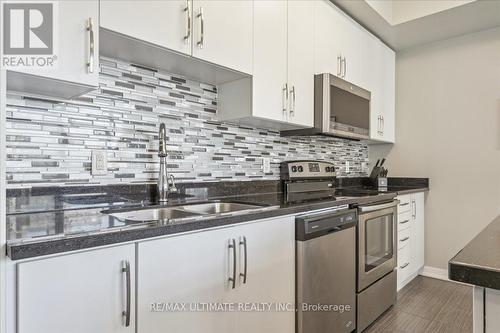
point(50, 142)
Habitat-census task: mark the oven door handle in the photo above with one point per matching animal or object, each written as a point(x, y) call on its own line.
point(366, 209)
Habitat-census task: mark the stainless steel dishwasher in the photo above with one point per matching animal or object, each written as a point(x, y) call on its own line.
point(326, 271)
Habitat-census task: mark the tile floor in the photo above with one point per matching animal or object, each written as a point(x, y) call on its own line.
point(430, 306)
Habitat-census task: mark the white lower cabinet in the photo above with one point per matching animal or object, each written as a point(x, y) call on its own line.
point(207, 281)
point(198, 269)
point(270, 276)
point(411, 241)
point(78, 293)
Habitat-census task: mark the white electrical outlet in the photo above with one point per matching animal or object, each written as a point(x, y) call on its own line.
point(347, 167)
point(266, 165)
point(99, 162)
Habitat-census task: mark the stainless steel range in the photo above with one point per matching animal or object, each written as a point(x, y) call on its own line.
point(376, 253)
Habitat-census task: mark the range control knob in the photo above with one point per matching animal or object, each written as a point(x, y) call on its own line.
point(327, 169)
point(301, 168)
point(294, 168)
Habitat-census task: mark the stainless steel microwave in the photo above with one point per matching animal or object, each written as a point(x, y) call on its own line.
point(340, 109)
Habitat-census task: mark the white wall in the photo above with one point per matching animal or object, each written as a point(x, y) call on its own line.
point(448, 129)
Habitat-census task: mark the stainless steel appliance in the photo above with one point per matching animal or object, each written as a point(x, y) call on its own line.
point(307, 180)
point(340, 109)
point(326, 271)
point(377, 250)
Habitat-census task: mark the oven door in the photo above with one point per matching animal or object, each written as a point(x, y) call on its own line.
point(377, 239)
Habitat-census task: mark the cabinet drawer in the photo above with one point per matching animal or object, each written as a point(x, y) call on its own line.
point(404, 204)
point(403, 238)
point(404, 258)
point(404, 220)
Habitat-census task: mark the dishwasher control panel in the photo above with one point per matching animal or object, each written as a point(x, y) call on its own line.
point(316, 225)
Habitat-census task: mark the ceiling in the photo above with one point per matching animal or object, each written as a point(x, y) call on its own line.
point(402, 24)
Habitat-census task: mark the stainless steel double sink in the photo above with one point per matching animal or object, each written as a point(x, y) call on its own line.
point(179, 212)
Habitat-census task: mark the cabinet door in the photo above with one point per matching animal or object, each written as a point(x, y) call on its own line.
point(185, 269)
point(77, 293)
point(418, 231)
point(223, 33)
point(162, 22)
point(270, 275)
point(73, 52)
point(328, 37)
point(355, 52)
point(301, 62)
point(381, 83)
point(388, 93)
point(374, 85)
point(270, 54)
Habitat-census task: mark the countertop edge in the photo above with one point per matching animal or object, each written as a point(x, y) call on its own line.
point(465, 266)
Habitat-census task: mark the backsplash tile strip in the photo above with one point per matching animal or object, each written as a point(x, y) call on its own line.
point(50, 142)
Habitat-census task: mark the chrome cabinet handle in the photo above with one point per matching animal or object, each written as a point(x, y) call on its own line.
point(284, 99)
point(188, 22)
point(345, 67)
point(232, 279)
point(383, 124)
point(404, 265)
point(243, 242)
point(292, 103)
point(404, 239)
point(202, 29)
point(404, 204)
point(90, 63)
point(404, 222)
point(126, 312)
point(414, 209)
point(339, 65)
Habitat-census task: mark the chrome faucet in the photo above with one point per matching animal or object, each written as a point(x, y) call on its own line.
point(164, 187)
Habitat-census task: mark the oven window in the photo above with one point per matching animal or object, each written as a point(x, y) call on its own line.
point(378, 241)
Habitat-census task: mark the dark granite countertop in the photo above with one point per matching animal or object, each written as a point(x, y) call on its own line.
point(478, 263)
point(43, 222)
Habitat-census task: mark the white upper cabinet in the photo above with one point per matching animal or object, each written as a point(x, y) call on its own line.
point(343, 48)
point(338, 44)
point(381, 83)
point(166, 23)
point(77, 51)
point(223, 31)
point(217, 31)
point(301, 63)
point(270, 86)
point(328, 38)
point(282, 86)
point(86, 292)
